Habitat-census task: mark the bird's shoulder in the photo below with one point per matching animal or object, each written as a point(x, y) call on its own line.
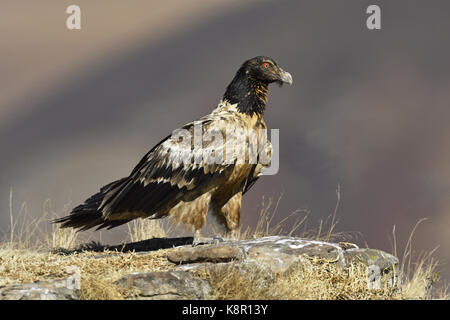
point(230, 113)
point(178, 159)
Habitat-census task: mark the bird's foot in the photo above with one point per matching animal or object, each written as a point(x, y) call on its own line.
point(203, 240)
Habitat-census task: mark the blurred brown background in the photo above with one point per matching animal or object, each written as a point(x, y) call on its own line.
point(368, 110)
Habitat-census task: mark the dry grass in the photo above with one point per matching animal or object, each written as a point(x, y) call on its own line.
point(311, 280)
point(25, 256)
point(142, 229)
point(97, 274)
point(26, 232)
point(316, 279)
point(295, 224)
point(419, 276)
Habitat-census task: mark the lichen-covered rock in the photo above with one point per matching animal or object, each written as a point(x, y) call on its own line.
point(40, 290)
point(223, 253)
point(279, 254)
point(369, 257)
point(381, 266)
point(165, 285)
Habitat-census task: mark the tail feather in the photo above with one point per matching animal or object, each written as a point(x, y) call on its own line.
point(88, 214)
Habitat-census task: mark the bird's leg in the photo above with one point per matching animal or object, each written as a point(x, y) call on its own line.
point(199, 240)
point(232, 235)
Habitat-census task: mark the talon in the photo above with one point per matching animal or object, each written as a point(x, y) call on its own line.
point(204, 241)
point(218, 239)
point(347, 245)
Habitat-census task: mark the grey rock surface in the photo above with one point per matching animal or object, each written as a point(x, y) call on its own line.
point(278, 254)
point(189, 254)
point(40, 290)
point(165, 285)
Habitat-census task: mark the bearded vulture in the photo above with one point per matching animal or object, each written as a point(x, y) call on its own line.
point(201, 170)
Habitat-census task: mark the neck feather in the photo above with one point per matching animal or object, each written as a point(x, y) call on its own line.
point(250, 94)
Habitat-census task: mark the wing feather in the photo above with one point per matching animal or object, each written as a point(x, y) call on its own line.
point(164, 176)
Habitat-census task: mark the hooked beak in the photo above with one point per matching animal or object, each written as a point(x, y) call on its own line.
point(285, 77)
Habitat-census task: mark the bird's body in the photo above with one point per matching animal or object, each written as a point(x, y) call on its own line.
point(201, 170)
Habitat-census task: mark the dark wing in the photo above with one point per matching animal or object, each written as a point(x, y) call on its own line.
point(257, 168)
point(165, 175)
point(251, 180)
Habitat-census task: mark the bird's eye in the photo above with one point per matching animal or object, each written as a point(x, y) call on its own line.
point(266, 64)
